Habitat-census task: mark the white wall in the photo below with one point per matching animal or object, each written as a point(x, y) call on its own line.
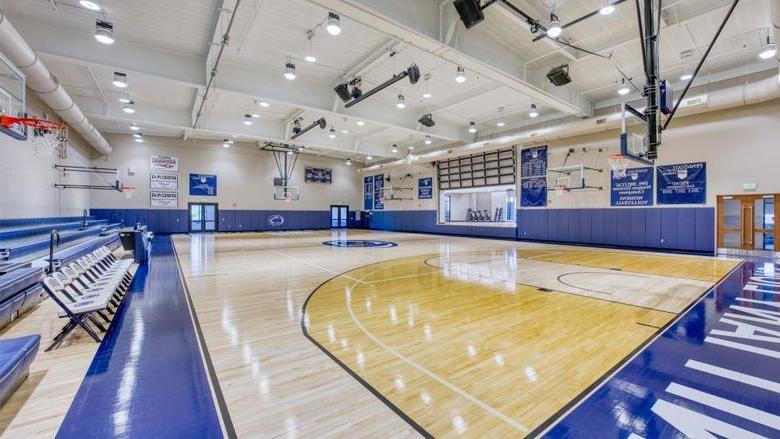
point(417, 171)
point(244, 175)
point(27, 179)
point(739, 145)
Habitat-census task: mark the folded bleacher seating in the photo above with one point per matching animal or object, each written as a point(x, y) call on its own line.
point(19, 291)
point(88, 291)
point(16, 355)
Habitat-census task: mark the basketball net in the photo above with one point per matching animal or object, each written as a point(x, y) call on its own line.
point(562, 184)
point(128, 191)
point(45, 135)
point(619, 165)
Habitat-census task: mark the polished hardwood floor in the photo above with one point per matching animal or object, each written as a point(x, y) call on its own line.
point(464, 336)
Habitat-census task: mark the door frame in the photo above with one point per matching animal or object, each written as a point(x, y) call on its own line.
point(216, 217)
point(339, 206)
point(746, 200)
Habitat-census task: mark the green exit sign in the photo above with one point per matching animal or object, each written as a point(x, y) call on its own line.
point(749, 186)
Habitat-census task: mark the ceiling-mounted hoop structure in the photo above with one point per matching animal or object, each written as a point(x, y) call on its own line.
point(285, 157)
point(45, 135)
point(115, 185)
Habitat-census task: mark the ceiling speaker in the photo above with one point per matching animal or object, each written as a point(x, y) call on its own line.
point(427, 120)
point(470, 12)
point(560, 75)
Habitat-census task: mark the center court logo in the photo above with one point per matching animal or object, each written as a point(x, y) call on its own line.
point(275, 220)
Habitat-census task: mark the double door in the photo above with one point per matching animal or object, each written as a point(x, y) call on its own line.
point(747, 222)
point(203, 217)
point(338, 216)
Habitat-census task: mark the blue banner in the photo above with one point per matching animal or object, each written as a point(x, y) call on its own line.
point(533, 192)
point(203, 185)
point(533, 162)
point(379, 184)
point(425, 188)
point(368, 193)
point(318, 175)
point(685, 183)
point(635, 189)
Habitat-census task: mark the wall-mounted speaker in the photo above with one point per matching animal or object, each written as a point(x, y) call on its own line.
point(470, 12)
point(560, 75)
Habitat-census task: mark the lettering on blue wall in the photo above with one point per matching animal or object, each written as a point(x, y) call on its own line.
point(635, 189)
point(533, 192)
point(379, 184)
point(533, 173)
point(685, 183)
point(425, 188)
point(203, 185)
point(368, 193)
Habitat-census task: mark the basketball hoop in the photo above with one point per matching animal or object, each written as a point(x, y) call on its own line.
point(128, 191)
point(562, 184)
point(45, 135)
point(619, 164)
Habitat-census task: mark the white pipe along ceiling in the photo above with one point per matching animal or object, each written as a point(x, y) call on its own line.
point(745, 94)
point(46, 86)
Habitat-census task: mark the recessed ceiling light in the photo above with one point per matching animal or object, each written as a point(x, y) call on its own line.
point(120, 80)
point(104, 32)
point(92, 6)
point(360, 123)
point(460, 75)
point(333, 24)
point(289, 71)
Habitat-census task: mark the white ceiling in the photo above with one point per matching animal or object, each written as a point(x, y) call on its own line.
point(173, 39)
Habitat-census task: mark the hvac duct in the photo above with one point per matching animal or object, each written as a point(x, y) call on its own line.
point(746, 94)
point(46, 86)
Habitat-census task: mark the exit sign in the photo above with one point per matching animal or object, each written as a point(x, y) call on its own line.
point(749, 186)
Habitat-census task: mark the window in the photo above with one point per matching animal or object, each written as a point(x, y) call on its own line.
point(493, 205)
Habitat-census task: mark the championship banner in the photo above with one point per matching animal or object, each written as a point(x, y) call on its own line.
point(425, 188)
point(368, 193)
point(635, 189)
point(203, 185)
point(163, 163)
point(162, 180)
point(682, 184)
point(533, 192)
point(533, 162)
point(379, 184)
point(318, 175)
point(164, 199)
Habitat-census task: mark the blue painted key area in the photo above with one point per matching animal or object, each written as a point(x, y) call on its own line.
point(713, 373)
point(147, 378)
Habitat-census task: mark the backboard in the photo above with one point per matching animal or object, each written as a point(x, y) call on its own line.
point(633, 135)
point(569, 178)
point(286, 193)
point(12, 96)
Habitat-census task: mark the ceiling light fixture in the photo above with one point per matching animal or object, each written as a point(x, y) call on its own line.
point(345, 131)
point(768, 50)
point(137, 135)
point(394, 149)
point(472, 127)
point(368, 157)
point(333, 24)
point(428, 140)
point(309, 54)
point(608, 8)
point(686, 77)
point(135, 127)
point(623, 88)
point(427, 94)
point(400, 103)
point(129, 107)
point(124, 100)
point(120, 80)
point(332, 133)
point(248, 119)
point(104, 31)
point(92, 6)
point(360, 123)
point(139, 138)
point(410, 148)
point(227, 143)
point(264, 104)
point(348, 162)
point(555, 29)
point(460, 75)
point(290, 152)
point(500, 124)
point(289, 71)
point(533, 113)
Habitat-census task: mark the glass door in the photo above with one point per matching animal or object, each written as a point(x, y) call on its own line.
point(338, 216)
point(747, 222)
point(203, 217)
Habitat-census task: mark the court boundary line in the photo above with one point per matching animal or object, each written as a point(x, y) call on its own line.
point(546, 426)
point(216, 391)
point(412, 423)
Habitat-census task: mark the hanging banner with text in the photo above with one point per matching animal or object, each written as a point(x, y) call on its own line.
point(425, 188)
point(163, 180)
point(203, 185)
point(163, 163)
point(379, 184)
point(164, 199)
point(533, 192)
point(368, 193)
point(635, 189)
point(685, 183)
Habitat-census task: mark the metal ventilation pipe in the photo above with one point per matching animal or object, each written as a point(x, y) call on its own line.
point(46, 86)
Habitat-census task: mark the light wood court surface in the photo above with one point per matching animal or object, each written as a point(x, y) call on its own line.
point(454, 332)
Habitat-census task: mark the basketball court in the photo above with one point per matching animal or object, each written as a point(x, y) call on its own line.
point(332, 218)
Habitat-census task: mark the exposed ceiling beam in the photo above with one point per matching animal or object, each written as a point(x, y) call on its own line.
point(419, 24)
point(522, 22)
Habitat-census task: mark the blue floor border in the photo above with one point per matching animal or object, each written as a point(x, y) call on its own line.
point(148, 378)
point(694, 378)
